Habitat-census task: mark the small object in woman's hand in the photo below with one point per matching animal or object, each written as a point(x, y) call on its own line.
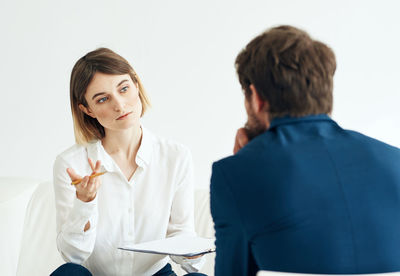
point(76, 182)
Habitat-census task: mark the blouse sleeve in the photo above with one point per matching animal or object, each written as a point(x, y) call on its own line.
point(72, 214)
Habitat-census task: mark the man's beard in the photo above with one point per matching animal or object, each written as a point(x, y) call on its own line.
point(254, 126)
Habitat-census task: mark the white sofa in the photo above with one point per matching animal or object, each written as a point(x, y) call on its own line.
point(28, 232)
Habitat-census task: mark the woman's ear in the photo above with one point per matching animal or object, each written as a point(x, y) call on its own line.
point(86, 110)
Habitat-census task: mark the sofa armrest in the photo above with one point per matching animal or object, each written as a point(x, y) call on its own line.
point(15, 194)
point(38, 253)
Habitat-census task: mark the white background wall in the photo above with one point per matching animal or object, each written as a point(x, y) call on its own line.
point(184, 52)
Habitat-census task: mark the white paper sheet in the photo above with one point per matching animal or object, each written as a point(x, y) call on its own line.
point(178, 246)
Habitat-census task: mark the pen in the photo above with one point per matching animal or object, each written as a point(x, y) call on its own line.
point(76, 182)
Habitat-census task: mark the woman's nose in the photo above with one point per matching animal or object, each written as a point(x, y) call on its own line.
point(118, 104)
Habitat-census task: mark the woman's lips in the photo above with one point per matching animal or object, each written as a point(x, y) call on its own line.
point(123, 116)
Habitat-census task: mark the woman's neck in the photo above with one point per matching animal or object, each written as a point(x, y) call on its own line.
point(124, 144)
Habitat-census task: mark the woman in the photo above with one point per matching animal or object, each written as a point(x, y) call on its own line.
point(147, 192)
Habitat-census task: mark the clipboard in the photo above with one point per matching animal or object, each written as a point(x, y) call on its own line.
point(184, 246)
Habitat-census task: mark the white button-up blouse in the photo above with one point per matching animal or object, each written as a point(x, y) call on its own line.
point(157, 202)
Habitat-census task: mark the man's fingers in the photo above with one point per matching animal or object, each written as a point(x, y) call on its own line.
point(236, 148)
point(242, 137)
point(72, 174)
point(241, 140)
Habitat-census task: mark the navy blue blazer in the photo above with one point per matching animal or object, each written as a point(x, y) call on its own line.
point(307, 196)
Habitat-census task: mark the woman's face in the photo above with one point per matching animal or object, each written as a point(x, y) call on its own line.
point(113, 100)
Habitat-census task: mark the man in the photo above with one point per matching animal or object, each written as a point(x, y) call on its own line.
point(301, 194)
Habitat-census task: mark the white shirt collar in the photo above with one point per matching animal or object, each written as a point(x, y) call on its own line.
point(96, 152)
point(145, 151)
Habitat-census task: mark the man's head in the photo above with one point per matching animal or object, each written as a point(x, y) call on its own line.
point(284, 72)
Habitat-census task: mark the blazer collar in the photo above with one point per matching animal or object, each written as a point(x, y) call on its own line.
point(293, 120)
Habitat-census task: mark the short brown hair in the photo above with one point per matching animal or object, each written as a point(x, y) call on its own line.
point(105, 61)
point(290, 70)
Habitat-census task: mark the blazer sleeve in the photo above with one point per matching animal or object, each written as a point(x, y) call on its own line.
point(233, 254)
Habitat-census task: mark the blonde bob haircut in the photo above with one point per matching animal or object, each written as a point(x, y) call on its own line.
point(105, 61)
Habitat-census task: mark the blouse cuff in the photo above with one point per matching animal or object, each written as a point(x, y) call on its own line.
point(81, 213)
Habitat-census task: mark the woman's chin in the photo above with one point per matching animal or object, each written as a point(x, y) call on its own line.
point(126, 125)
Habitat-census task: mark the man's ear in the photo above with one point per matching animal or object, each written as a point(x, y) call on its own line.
point(86, 110)
point(259, 105)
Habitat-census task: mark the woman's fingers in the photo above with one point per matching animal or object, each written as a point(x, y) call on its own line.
point(98, 165)
point(95, 167)
point(194, 257)
point(94, 182)
point(91, 164)
point(85, 181)
point(72, 174)
point(87, 188)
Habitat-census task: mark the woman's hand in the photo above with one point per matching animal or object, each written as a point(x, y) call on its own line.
point(86, 190)
point(189, 264)
point(194, 257)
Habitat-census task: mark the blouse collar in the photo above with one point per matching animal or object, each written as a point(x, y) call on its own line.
point(96, 152)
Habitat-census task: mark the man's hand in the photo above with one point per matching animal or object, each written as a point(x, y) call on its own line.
point(87, 189)
point(241, 139)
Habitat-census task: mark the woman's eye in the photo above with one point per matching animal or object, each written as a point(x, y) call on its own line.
point(124, 89)
point(102, 100)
